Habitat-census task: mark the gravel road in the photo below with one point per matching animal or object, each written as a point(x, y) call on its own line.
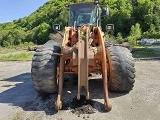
point(20, 101)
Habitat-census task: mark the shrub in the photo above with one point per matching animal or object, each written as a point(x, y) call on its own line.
point(6, 43)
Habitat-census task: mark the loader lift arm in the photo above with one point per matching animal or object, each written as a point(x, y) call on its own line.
point(83, 58)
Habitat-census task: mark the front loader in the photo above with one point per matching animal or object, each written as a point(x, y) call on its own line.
point(83, 52)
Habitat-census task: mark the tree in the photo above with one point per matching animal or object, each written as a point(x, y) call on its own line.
point(119, 38)
point(123, 14)
point(43, 34)
point(120, 16)
point(135, 34)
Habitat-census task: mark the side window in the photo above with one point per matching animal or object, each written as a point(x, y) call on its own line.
point(71, 18)
point(94, 16)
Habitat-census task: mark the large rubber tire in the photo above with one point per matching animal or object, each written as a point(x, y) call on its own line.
point(44, 68)
point(121, 69)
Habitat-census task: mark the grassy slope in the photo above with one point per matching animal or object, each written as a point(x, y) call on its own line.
point(15, 53)
point(22, 55)
point(143, 52)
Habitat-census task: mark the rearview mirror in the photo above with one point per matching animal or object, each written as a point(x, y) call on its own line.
point(56, 27)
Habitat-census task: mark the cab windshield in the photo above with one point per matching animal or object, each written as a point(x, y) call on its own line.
point(83, 13)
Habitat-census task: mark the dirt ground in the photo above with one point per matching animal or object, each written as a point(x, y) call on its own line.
point(20, 101)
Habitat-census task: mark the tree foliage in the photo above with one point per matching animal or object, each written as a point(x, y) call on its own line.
point(133, 19)
point(135, 34)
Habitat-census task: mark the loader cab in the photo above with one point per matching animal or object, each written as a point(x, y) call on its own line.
point(84, 13)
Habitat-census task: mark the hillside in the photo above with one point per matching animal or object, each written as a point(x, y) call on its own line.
point(132, 19)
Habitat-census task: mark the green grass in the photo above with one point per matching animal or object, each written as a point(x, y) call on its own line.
point(143, 52)
point(7, 50)
point(4, 50)
point(137, 52)
point(17, 57)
